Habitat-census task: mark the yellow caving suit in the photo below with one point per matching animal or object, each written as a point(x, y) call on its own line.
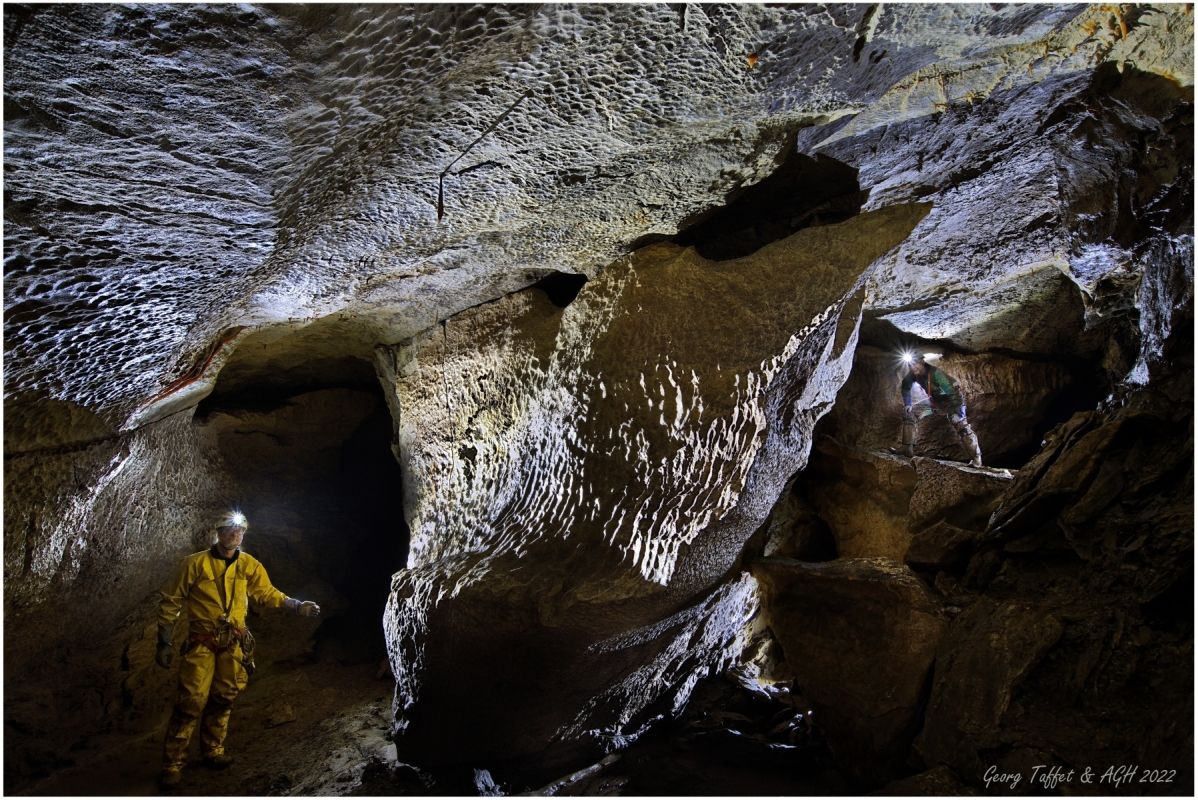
point(211, 674)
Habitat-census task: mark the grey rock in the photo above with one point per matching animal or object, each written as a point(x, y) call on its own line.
point(533, 440)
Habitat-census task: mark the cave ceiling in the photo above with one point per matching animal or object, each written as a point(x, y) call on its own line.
point(179, 178)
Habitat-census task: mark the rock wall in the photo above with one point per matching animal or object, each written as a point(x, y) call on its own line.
point(1057, 629)
point(92, 528)
point(129, 502)
point(1058, 252)
point(588, 474)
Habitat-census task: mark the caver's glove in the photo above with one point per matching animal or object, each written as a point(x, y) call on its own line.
point(908, 412)
point(165, 654)
point(305, 608)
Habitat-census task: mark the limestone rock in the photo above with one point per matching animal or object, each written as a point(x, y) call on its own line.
point(940, 546)
point(988, 650)
point(1083, 485)
point(389, 169)
point(1080, 625)
point(962, 494)
point(864, 498)
point(875, 503)
point(60, 558)
point(1033, 230)
point(795, 530)
point(860, 636)
point(246, 191)
point(587, 472)
point(279, 714)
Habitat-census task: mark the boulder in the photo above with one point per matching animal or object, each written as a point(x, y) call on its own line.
point(985, 655)
point(941, 546)
point(875, 504)
point(860, 636)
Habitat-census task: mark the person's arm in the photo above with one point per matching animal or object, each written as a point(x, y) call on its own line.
point(906, 390)
point(261, 591)
point(173, 594)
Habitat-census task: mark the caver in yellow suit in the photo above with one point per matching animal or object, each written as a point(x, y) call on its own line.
point(215, 587)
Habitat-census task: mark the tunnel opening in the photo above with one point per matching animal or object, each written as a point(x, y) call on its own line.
point(1013, 399)
point(561, 287)
point(310, 463)
point(802, 192)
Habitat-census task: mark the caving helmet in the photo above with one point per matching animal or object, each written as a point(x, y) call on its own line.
point(231, 519)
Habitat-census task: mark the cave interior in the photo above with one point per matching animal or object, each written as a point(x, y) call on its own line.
point(587, 444)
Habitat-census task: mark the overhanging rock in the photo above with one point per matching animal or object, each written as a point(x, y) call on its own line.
point(590, 474)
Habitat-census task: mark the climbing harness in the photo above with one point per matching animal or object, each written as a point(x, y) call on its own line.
point(227, 634)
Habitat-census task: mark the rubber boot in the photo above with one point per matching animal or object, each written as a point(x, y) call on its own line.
point(218, 761)
point(970, 440)
point(908, 434)
point(170, 778)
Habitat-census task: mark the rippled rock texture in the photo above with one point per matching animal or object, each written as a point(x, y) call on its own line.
point(310, 198)
point(578, 479)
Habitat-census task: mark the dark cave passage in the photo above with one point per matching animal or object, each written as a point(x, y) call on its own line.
point(1013, 399)
point(312, 469)
point(802, 192)
point(368, 484)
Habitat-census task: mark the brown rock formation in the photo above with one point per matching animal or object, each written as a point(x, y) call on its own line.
point(225, 224)
point(535, 442)
point(860, 635)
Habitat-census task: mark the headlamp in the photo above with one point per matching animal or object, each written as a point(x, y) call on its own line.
point(231, 520)
point(908, 357)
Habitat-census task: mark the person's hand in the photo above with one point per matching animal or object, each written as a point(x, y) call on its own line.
point(165, 655)
point(308, 609)
point(908, 411)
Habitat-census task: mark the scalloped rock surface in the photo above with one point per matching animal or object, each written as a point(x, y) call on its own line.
point(175, 172)
point(577, 478)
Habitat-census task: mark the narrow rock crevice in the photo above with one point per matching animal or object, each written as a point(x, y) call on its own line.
point(561, 287)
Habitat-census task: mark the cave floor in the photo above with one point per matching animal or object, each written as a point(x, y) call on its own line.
point(341, 715)
point(337, 745)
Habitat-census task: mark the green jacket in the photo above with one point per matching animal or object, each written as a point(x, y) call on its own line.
point(940, 387)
